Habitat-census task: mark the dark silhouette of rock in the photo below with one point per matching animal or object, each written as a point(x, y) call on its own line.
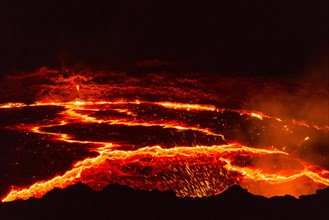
point(123, 202)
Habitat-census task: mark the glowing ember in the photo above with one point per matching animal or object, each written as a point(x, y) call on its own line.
point(191, 149)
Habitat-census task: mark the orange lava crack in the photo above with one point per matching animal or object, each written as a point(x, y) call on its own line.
point(189, 171)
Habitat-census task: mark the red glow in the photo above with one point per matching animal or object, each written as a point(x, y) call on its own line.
point(189, 171)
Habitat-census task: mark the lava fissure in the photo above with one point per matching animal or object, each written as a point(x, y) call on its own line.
point(195, 170)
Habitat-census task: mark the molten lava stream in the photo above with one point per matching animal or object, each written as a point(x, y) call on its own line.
point(190, 171)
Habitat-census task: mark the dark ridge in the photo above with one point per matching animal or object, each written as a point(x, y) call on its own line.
point(123, 202)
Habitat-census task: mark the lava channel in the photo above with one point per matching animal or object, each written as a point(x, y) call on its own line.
point(194, 150)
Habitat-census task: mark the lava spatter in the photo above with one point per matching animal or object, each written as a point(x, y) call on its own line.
point(194, 150)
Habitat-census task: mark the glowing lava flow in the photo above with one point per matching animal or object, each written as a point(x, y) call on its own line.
point(189, 170)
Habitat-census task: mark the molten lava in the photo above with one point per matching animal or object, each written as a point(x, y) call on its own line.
point(194, 150)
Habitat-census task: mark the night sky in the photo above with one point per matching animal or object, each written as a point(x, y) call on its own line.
point(230, 37)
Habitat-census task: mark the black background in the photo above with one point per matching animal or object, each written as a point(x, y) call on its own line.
point(233, 37)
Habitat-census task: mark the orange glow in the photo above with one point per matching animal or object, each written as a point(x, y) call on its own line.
point(217, 154)
point(253, 114)
point(189, 171)
point(12, 105)
point(188, 107)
